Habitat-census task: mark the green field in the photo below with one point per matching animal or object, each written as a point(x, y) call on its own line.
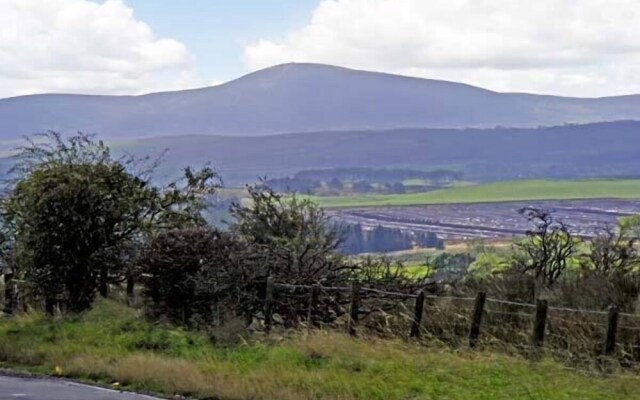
point(496, 192)
point(113, 343)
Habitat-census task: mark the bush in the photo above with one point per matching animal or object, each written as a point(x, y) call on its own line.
point(70, 219)
point(195, 276)
point(74, 216)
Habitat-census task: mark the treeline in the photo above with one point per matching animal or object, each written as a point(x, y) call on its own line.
point(438, 176)
point(362, 180)
point(381, 239)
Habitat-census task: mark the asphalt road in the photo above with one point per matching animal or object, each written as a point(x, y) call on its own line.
point(12, 388)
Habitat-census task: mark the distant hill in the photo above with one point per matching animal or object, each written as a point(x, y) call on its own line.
point(303, 98)
point(572, 151)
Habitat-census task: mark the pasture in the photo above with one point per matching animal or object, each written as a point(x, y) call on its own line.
point(522, 190)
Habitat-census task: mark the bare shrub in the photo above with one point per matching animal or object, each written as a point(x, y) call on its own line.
point(547, 247)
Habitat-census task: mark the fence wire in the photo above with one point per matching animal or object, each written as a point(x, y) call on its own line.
point(575, 336)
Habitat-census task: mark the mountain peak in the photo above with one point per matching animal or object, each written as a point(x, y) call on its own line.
point(304, 97)
point(297, 70)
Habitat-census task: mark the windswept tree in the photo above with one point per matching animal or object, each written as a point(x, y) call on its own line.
point(73, 215)
point(547, 249)
point(293, 236)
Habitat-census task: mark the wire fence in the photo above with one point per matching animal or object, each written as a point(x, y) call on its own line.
point(579, 336)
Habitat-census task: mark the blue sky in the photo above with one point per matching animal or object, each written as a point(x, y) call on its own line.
point(216, 31)
point(142, 46)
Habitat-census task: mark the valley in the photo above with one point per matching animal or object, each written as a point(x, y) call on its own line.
point(590, 151)
point(489, 221)
point(319, 199)
point(488, 212)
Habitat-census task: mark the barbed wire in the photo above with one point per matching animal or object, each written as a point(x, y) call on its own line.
point(511, 303)
point(449, 298)
point(515, 314)
point(385, 293)
point(629, 315)
point(574, 310)
point(578, 323)
point(452, 298)
point(293, 287)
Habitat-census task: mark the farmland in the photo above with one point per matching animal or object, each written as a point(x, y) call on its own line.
point(498, 220)
point(526, 190)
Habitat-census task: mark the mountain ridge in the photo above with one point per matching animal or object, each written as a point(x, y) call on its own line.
point(304, 98)
point(319, 65)
point(564, 152)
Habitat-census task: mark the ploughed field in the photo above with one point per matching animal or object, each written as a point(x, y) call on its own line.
point(489, 220)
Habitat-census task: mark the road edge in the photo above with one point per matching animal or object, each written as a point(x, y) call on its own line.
point(22, 374)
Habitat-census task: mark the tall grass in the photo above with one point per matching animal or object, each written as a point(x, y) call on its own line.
point(112, 343)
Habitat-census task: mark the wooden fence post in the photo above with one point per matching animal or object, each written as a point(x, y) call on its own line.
point(476, 319)
point(612, 328)
point(540, 323)
point(355, 307)
point(313, 303)
point(268, 305)
point(539, 327)
point(417, 315)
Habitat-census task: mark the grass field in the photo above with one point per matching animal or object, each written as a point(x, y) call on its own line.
point(496, 192)
point(114, 344)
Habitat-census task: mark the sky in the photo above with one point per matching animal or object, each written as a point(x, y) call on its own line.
point(585, 48)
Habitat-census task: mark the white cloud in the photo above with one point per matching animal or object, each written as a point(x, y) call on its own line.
point(583, 48)
point(78, 46)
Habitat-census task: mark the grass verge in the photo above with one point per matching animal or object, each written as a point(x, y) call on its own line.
point(112, 343)
point(495, 192)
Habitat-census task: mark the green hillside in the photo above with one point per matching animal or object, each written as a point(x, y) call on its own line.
point(497, 192)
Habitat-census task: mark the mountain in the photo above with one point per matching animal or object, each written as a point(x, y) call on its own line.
point(303, 98)
point(571, 151)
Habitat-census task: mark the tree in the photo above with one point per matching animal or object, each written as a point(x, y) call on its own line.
point(292, 241)
point(612, 251)
point(629, 227)
point(398, 187)
point(354, 241)
point(295, 239)
point(547, 247)
point(335, 183)
point(73, 214)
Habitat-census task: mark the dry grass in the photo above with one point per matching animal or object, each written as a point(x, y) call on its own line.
point(112, 343)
